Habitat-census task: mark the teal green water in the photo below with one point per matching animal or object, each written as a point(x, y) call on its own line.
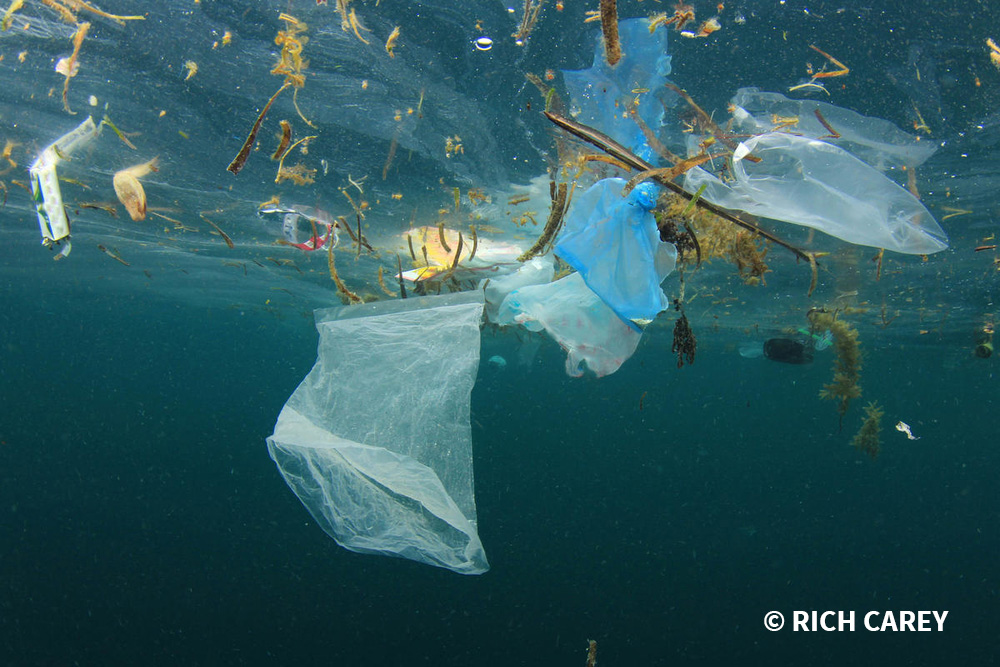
point(144, 521)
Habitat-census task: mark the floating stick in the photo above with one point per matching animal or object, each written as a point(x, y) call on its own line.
point(616, 150)
point(609, 26)
point(556, 213)
point(244, 153)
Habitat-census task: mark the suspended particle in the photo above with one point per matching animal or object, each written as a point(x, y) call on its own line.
point(484, 43)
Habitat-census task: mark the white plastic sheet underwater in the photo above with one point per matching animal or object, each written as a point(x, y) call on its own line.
point(376, 441)
point(874, 140)
point(536, 271)
point(819, 185)
point(586, 327)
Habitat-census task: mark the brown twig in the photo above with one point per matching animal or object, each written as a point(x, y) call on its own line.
point(556, 213)
point(609, 26)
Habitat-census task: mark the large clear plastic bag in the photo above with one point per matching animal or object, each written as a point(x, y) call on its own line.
point(874, 140)
point(815, 184)
point(376, 441)
point(589, 331)
point(601, 95)
point(613, 242)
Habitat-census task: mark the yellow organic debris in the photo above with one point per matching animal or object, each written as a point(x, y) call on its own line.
point(129, 189)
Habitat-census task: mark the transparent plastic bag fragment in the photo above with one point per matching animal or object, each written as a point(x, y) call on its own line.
point(614, 243)
point(874, 140)
point(302, 227)
point(536, 271)
point(376, 441)
point(577, 319)
point(815, 184)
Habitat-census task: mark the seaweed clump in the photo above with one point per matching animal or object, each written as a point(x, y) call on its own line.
point(868, 438)
point(673, 230)
point(560, 204)
point(685, 343)
point(290, 65)
point(847, 366)
point(747, 253)
point(298, 174)
point(711, 237)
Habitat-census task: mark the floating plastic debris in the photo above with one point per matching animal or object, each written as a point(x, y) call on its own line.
point(45, 184)
point(376, 441)
point(903, 427)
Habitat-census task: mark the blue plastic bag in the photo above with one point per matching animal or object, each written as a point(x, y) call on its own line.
point(601, 96)
point(614, 244)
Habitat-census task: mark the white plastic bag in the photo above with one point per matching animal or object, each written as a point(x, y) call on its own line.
point(536, 271)
point(815, 184)
point(376, 441)
point(874, 140)
point(577, 319)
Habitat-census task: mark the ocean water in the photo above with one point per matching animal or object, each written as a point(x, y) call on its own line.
point(660, 511)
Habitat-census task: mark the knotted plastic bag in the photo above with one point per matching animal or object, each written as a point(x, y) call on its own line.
point(614, 244)
point(815, 184)
point(577, 319)
point(376, 441)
